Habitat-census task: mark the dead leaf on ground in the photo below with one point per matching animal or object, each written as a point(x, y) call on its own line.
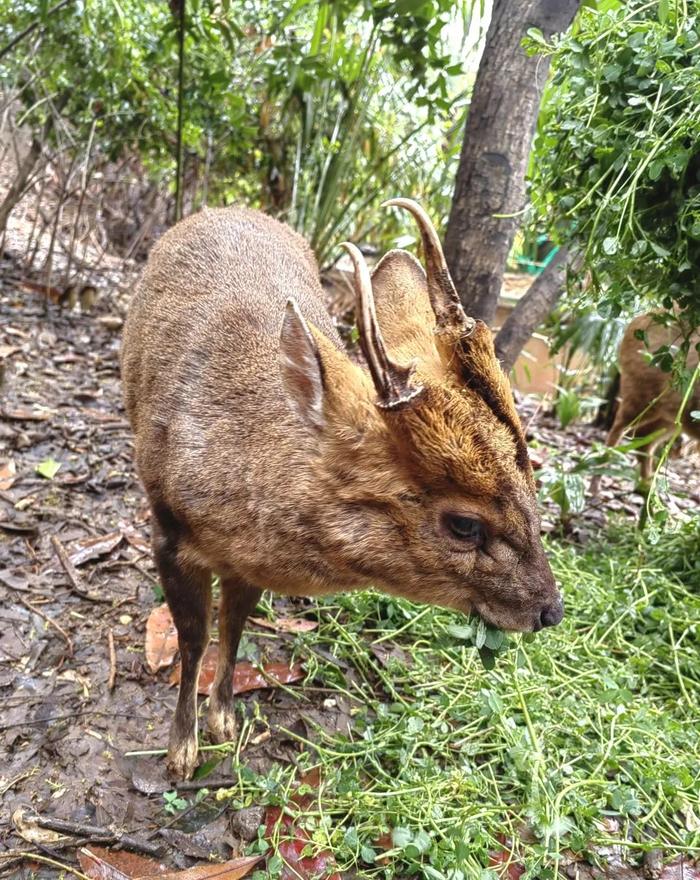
point(504, 865)
point(286, 624)
point(384, 842)
point(292, 841)
point(28, 829)
point(92, 548)
point(8, 474)
point(7, 350)
point(21, 414)
point(681, 869)
point(106, 864)
point(246, 676)
point(161, 638)
point(231, 870)
point(138, 542)
point(386, 653)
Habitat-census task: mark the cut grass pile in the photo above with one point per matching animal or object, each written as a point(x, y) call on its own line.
point(586, 736)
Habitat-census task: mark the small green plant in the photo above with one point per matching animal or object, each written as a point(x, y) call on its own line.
point(488, 640)
point(173, 802)
point(567, 406)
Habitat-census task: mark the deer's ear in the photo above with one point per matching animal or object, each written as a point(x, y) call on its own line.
point(403, 305)
point(301, 367)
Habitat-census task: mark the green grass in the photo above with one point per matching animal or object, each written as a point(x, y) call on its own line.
point(594, 721)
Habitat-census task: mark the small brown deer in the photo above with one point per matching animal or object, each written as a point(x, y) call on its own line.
point(272, 459)
point(649, 404)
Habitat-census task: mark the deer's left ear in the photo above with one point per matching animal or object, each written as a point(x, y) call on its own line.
point(403, 306)
point(301, 368)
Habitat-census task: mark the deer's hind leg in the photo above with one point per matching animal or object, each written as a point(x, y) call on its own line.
point(237, 601)
point(645, 454)
point(187, 589)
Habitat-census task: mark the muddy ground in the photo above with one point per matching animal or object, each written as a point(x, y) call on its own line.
point(76, 692)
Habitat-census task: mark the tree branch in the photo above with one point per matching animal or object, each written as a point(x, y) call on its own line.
point(32, 27)
point(533, 308)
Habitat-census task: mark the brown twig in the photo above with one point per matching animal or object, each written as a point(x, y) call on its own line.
point(112, 662)
point(72, 574)
point(51, 621)
point(198, 784)
point(95, 833)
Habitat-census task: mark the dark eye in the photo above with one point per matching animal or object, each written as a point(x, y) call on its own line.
point(465, 528)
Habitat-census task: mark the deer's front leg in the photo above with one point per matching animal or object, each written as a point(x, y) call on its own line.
point(238, 599)
point(188, 592)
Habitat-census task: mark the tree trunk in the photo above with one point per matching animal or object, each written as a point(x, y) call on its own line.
point(497, 141)
point(532, 309)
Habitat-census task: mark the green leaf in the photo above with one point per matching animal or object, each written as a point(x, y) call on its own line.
point(487, 657)
point(480, 639)
point(48, 468)
point(401, 837)
point(610, 245)
point(461, 631)
point(368, 855)
point(655, 168)
point(494, 638)
point(422, 841)
point(351, 839)
point(536, 35)
point(415, 724)
point(659, 250)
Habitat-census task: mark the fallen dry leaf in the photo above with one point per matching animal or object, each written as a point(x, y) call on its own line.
point(504, 865)
point(92, 548)
point(27, 828)
point(20, 414)
point(292, 842)
point(231, 870)
point(384, 842)
point(7, 350)
point(106, 864)
point(286, 624)
point(8, 474)
point(138, 542)
point(246, 676)
point(161, 638)
point(681, 869)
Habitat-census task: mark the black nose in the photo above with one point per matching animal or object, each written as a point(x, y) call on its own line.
point(552, 614)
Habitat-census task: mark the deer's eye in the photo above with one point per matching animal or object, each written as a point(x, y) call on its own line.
point(465, 529)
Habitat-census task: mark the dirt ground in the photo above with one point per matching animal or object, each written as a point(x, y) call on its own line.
point(76, 692)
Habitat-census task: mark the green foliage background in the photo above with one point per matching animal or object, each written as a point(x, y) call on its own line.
point(314, 111)
point(617, 170)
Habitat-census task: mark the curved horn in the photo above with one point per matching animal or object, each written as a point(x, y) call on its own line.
point(391, 381)
point(443, 294)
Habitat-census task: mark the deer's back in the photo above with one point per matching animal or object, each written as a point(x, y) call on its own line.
point(645, 388)
point(200, 354)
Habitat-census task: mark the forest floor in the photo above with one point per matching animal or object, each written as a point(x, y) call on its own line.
point(79, 698)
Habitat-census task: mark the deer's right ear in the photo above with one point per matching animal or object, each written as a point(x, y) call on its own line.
point(300, 364)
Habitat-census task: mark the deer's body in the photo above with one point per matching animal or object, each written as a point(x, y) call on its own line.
point(215, 436)
point(273, 460)
point(649, 404)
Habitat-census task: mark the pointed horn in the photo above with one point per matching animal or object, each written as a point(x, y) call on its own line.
point(391, 381)
point(443, 294)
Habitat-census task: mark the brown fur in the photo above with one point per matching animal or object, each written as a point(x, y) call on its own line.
point(268, 460)
point(649, 404)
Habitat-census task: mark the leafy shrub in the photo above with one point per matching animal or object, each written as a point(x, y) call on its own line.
point(618, 170)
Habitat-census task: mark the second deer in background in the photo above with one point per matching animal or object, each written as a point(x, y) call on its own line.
point(649, 403)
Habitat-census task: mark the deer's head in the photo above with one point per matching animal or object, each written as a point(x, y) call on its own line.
point(424, 485)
